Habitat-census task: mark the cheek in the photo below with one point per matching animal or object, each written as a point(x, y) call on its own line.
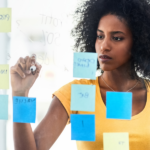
point(123, 55)
point(97, 47)
point(124, 50)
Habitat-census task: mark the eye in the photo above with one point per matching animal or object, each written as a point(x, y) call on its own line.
point(120, 39)
point(98, 36)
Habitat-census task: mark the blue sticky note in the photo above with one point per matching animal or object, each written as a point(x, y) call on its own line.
point(3, 107)
point(82, 127)
point(85, 65)
point(24, 109)
point(83, 97)
point(119, 105)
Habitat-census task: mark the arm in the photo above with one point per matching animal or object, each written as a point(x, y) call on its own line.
point(53, 123)
point(51, 126)
point(46, 132)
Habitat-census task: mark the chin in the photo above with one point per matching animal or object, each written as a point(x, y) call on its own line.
point(107, 68)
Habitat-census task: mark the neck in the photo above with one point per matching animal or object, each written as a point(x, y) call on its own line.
point(118, 80)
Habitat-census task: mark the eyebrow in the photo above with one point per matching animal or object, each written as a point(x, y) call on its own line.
point(113, 32)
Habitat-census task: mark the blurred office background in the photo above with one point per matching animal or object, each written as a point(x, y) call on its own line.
point(41, 27)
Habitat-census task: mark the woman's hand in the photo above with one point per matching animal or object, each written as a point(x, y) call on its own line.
point(21, 77)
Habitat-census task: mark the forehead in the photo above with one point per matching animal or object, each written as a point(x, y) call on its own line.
point(113, 23)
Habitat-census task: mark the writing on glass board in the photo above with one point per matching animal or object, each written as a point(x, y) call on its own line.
point(3, 71)
point(51, 20)
point(24, 100)
point(19, 23)
point(50, 38)
point(44, 58)
point(4, 17)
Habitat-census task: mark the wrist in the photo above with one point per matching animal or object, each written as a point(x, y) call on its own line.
point(24, 94)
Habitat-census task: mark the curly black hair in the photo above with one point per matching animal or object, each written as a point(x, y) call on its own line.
point(137, 16)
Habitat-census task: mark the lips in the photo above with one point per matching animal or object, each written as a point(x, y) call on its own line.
point(104, 57)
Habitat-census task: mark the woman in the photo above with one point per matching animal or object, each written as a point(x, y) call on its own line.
point(119, 32)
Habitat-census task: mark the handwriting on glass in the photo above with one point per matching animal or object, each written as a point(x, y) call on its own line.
point(44, 58)
point(84, 95)
point(19, 27)
point(3, 71)
point(51, 20)
point(4, 17)
point(83, 62)
point(24, 100)
point(50, 37)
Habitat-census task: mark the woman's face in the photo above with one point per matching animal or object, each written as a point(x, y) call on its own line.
point(114, 40)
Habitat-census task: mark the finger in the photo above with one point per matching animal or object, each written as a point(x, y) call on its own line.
point(33, 61)
point(22, 63)
point(18, 70)
point(19, 63)
point(33, 58)
point(38, 68)
point(30, 61)
point(28, 64)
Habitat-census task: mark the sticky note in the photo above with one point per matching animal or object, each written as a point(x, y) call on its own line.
point(116, 141)
point(4, 76)
point(82, 127)
point(5, 19)
point(83, 97)
point(85, 65)
point(119, 105)
point(24, 109)
point(3, 107)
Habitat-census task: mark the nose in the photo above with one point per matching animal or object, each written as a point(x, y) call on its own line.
point(104, 45)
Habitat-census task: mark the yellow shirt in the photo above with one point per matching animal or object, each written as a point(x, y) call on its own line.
point(138, 127)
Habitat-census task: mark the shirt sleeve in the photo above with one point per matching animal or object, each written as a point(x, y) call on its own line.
point(64, 95)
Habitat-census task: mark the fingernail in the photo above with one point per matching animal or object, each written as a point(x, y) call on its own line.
point(32, 63)
point(23, 76)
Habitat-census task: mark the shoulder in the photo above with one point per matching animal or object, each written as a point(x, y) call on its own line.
point(84, 81)
point(147, 84)
point(67, 87)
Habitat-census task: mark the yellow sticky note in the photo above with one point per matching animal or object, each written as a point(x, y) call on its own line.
point(4, 76)
point(5, 19)
point(116, 141)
